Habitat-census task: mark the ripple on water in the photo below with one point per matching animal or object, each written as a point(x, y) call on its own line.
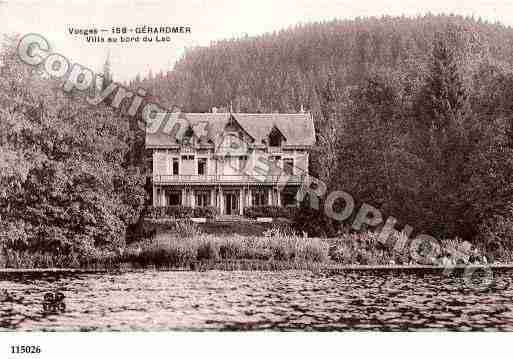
point(289, 300)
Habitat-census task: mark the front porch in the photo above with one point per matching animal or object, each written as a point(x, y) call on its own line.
point(228, 200)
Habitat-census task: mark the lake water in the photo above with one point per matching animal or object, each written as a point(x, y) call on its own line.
point(288, 300)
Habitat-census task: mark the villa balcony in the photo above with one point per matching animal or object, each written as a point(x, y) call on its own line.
point(228, 179)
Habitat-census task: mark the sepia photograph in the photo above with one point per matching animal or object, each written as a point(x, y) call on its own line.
point(237, 166)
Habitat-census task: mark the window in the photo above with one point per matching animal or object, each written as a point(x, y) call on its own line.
point(288, 198)
point(158, 200)
point(176, 167)
point(275, 158)
point(202, 198)
point(231, 162)
point(188, 166)
point(243, 160)
point(202, 166)
point(274, 166)
point(288, 166)
point(235, 142)
point(231, 144)
point(260, 197)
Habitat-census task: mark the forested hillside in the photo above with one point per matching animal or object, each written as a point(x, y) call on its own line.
point(413, 115)
point(286, 69)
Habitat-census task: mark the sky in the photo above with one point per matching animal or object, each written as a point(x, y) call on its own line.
point(209, 21)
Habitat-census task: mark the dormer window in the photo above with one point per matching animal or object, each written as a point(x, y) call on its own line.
point(276, 138)
point(188, 136)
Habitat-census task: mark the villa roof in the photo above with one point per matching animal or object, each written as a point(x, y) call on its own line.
point(297, 128)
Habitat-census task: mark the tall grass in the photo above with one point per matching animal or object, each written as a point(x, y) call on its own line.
point(173, 251)
point(25, 259)
point(367, 249)
point(278, 248)
point(361, 248)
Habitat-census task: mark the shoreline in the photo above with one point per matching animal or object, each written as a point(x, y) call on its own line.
point(266, 267)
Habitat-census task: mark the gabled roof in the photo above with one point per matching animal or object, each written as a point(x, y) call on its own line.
point(233, 121)
point(297, 128)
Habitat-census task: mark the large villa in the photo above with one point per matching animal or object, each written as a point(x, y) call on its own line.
point(230, 161)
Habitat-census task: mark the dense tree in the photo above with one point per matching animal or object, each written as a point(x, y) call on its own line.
point(66, 182)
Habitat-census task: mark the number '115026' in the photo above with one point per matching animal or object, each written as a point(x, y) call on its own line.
point(25, 349)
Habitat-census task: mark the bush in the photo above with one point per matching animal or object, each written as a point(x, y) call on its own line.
point(207, 212)
point(497, 235)
point(365, 249)
point(313, 221)
point(180, 212)
point(269, 211)
point(207, 250)
point(231, 249)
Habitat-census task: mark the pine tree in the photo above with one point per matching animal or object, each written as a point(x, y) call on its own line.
point(444, 142)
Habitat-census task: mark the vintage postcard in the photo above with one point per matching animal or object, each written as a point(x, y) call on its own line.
point(255, 166)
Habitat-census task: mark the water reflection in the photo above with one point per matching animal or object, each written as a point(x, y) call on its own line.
point(288, 300)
